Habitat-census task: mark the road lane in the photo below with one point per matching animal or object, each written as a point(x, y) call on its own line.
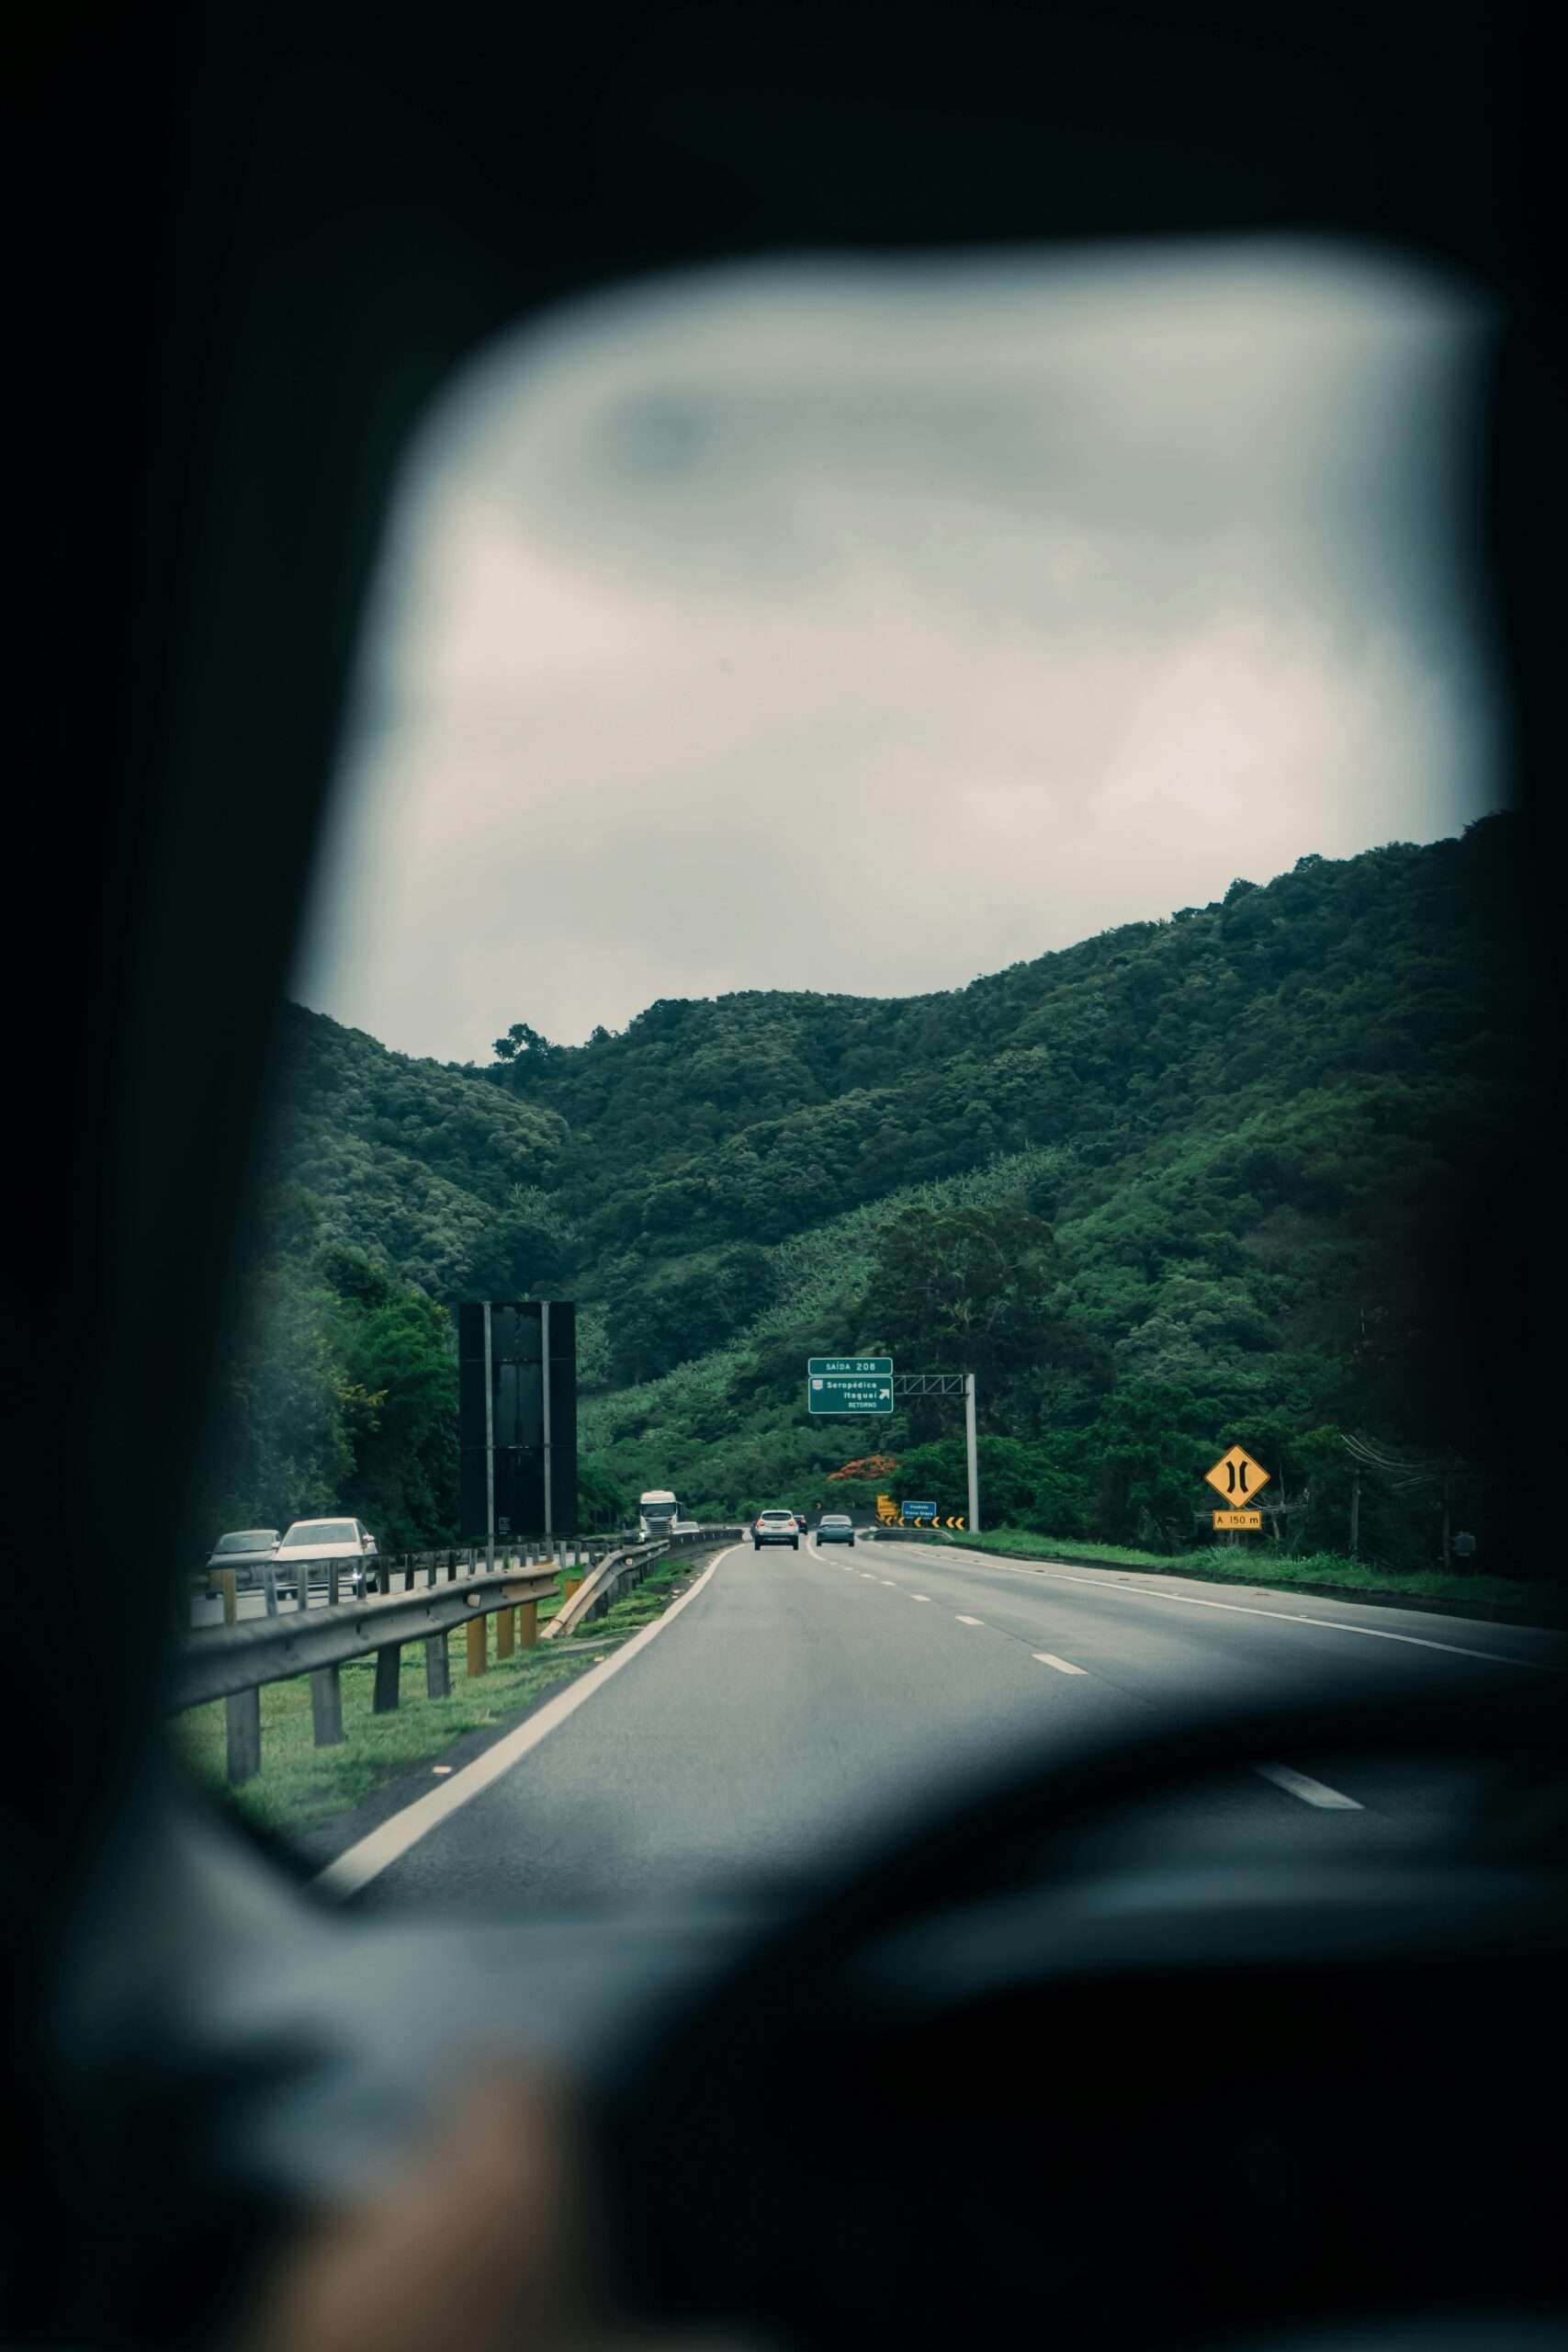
point(1139, 1631)
point(801, 1694)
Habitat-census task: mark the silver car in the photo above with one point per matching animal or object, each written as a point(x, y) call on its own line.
point(313, 1547)
point(247, 1551)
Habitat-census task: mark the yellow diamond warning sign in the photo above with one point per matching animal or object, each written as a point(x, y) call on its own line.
point(1236, 1478)
point(1252, 1519)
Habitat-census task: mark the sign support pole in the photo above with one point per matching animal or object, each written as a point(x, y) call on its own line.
point(490, 1447)
point(972, 1453)
point(544, 1396)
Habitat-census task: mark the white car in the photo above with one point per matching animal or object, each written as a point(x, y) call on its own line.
point(312, 1546)
point(776, 1527)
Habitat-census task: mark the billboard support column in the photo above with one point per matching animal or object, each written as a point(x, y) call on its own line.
point(973, 1453)
point(490, 1445)
point(545, 1414)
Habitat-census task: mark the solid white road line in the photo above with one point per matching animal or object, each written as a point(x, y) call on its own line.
point(1062, 1664)
point(971, 1621)
point(1284, 1616)
point(1311, 1792)
point(372, 1855)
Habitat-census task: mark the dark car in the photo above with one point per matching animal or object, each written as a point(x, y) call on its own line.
point(837, 1527)
point(800, 1521)
point(776, 1527)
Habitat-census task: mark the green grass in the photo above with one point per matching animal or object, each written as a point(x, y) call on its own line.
point(299, 1782)
point(1547, 1604)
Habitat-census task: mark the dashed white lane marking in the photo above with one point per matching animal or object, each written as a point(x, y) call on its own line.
point(1311, 1792)
point(1062, 1664)
point(889, 1583)
point(371, 1856)
point(971, 1621)
point(1284, 1616)
point(920, 1596)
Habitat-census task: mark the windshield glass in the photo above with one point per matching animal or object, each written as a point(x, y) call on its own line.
point(254, 1539)
point(1081, 1208)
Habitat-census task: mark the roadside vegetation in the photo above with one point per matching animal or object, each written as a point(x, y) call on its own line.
point(1194, 1181)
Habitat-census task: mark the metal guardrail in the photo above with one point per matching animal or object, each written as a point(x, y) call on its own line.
point(223, 1660)
point(600, 1586)
point(235, 1661)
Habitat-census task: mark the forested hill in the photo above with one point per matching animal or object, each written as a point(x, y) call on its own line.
point(1230, 1134)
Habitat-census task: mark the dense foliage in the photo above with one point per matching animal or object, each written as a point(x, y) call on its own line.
point(1189, 1181)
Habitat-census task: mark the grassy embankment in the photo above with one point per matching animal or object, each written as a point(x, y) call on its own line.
point(301, 1783)
point(1541, 1603)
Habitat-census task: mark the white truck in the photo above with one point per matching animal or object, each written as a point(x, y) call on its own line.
point(657, 1513)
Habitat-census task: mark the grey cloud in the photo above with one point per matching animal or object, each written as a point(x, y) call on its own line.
point(872, 627)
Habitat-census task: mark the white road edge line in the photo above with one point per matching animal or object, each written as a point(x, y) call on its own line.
point(1062, 1664)
point(372, 1855)
point(1311, 1792)
point(1284, 1616)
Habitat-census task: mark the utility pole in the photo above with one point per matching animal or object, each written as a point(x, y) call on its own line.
point(489, 1446)
point(973, 1453)
point(1355, 1514)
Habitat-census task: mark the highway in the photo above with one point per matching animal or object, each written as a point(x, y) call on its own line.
point(792, 1697)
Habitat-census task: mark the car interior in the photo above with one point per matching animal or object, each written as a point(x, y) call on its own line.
point(1057, 2051)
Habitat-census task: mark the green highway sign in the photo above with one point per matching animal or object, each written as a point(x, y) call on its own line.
point(844, 1384)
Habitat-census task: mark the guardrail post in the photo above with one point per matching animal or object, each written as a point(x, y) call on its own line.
point(389, 1667)
point(478, 1646)
point(242, 1715)
point(437, 1667)
point(528, 1623)
point(505, 1632)
point(326, 1707)
point(229, 1585)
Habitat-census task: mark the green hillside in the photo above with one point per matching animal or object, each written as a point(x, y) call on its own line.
point(1190, 1180)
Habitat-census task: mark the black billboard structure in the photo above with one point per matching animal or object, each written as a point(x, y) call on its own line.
point(517, 1419)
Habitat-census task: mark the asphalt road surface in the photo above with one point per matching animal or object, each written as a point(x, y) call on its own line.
point(797, 1695)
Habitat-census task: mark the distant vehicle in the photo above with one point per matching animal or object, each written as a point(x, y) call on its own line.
point(657, 1513)
point(836, 1527)
point(776, 1527)
point(312, 1544)
point(800, 1521)
point(246, 1551)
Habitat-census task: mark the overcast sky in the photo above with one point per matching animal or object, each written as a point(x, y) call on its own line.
point(871, 626)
